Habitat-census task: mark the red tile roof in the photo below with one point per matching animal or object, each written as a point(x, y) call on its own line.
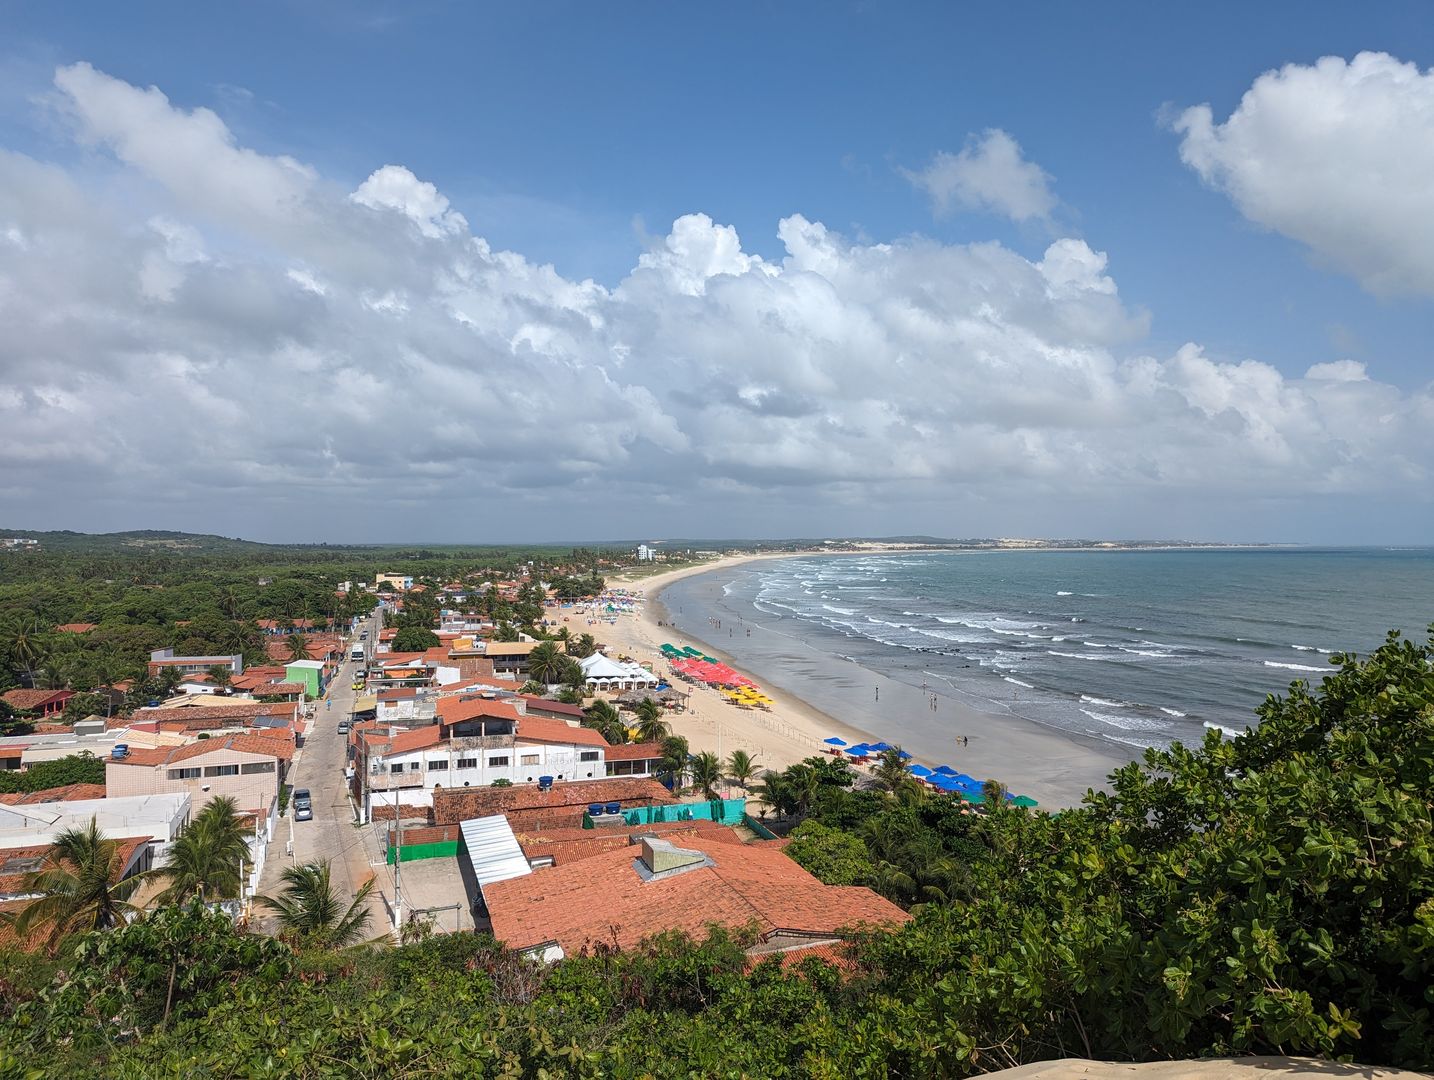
point(452, 710)
point(196, 715)
point(241, 743)
point(638, 751)
point(541, 729)
point(67, 793)
point(34, 699)
point(604, 899)
point(566, 801)
point(541, 706)
point(405, 741)
point(569, 845)
point(75, 627)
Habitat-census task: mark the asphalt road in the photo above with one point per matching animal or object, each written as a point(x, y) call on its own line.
point(355, 854)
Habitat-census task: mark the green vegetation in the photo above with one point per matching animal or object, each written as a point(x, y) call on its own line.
point(208, 858)
point(414, 639)
point(1270, 894)
point(310, 911)
point(81, 768)
point(205, 596)
point(81, 886)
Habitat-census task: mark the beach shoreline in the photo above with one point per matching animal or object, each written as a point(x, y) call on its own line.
point(1053, 767)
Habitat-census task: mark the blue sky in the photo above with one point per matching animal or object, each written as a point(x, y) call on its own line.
point(576, 134)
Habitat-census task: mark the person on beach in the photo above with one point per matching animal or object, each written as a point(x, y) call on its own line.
point(878, 693)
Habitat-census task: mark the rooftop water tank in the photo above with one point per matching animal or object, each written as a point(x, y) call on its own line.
point(119, 751)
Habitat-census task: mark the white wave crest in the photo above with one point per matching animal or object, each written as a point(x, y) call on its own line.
point(1222, 729)
point(1089, 700)
point(1292, 667)
point(1018, 682)
point(1171, 712)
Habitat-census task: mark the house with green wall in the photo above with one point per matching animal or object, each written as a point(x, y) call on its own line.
point(308, 672)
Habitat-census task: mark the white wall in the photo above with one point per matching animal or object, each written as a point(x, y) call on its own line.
point(552, 760)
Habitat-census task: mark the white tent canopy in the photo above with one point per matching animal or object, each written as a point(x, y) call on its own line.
point(604, 673)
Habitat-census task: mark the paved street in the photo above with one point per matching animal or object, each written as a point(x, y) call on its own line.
point(355, 854)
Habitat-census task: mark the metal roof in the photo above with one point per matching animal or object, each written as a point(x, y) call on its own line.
point(493, 850)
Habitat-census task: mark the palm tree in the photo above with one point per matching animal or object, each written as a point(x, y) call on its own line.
point(890, 771)
point(311, 912)
point(583, 645)
point(22, 639)
point(82, 886)
point(298, 647)
point(674, 759)
point(994, 793)
point(221, 675)
point(740, 767)
point(533, 688)
point(651, 727)
point(604, 719)
point(892, 882)
point(707, 773)
point(207, 860)
point(545, 663)
point(777, 793)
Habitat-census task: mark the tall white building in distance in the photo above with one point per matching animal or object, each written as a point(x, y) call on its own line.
point(644, 553)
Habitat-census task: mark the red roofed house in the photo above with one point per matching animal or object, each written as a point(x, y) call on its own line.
point(476, 741)
point(531, 808)
point(621, 896)
point(44, 702)
point(75, 627)
point(248, 768)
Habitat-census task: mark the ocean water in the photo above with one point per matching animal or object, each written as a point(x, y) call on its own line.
point(1139, 648)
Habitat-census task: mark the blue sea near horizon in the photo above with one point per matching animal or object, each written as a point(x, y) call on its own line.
point(1137, 648)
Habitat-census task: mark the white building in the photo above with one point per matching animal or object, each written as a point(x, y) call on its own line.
point(644, 553)
point(474, 743)
point(603, 673)
point(158, 817)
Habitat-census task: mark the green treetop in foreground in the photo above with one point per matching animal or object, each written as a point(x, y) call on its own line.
point(1270, 894)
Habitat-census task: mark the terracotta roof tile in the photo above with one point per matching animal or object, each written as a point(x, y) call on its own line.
point(33, 699)
point(459, 804)
point(556, 708)
point(67, 793)
point(152, 756)
point(603, 899)
point(75, 627)
point(542, 729)
point(407, 741)
point(633, 752)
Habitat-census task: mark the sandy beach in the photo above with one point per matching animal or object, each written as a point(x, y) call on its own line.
point(861, 705)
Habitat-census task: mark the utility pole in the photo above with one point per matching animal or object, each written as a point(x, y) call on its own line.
point(397, 869)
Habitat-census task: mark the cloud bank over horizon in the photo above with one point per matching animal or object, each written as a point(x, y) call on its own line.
point(198, 332)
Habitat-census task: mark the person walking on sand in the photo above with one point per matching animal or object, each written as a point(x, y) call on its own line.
point(878, 693)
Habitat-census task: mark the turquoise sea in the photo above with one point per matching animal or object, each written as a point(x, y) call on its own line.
point(1136, 647)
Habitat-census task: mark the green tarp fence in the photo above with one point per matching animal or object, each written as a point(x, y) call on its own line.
point(443, 849)
point(722, 811)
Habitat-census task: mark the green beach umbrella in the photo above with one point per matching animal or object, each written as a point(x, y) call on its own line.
point(1024, 800)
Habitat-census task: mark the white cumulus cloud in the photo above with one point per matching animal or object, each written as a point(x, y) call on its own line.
point(989, 173)
point(311, 362)
point(1337, 155)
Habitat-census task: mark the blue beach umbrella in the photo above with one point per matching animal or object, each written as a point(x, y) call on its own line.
point(834, 741)
point(880, 747)
point(946, 770)
point(903, 755)
point(919, 771)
